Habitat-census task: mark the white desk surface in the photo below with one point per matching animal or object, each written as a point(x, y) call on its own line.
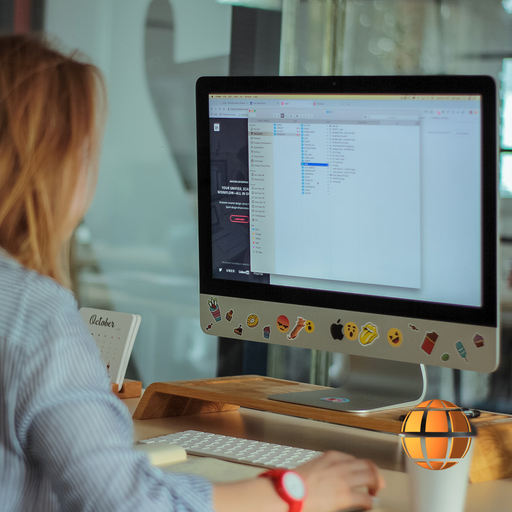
point(384, 449)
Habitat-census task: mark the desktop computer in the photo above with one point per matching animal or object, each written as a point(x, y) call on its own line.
point(354, 215)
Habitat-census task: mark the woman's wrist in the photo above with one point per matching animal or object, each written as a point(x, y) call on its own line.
point(248, 495)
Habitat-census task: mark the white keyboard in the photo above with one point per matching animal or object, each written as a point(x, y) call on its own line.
point(235, 449)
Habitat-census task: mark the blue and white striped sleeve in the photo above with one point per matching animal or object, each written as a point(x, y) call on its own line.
point(70, 424)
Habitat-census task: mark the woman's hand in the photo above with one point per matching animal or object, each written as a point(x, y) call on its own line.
point(337, 481)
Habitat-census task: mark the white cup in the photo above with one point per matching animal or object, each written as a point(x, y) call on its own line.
point(443, 490)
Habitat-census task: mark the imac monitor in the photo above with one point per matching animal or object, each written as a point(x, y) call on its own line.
point(354, 215)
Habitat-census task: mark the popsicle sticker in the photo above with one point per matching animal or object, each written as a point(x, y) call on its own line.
point(298, 327)
point(461, 350)
point(266, 332)
point(214, 309)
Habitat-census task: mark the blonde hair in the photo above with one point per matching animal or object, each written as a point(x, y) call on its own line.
point(49, 137)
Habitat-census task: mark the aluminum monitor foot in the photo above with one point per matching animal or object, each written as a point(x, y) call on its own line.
point(372, 385)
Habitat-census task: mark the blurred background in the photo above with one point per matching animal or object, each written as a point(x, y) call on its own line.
point(136, 250)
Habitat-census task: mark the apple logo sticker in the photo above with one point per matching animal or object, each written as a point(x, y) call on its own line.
point(337, 330)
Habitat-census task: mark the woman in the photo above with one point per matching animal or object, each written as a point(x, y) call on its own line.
point(66, 440)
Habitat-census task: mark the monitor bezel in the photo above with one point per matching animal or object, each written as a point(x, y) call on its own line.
point(486, 315)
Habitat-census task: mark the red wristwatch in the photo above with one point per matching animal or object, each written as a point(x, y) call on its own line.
point(289, 485)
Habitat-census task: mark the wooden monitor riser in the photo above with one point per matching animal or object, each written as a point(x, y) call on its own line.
point(492, 454)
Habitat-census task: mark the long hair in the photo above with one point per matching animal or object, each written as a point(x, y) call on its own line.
point(50, 124)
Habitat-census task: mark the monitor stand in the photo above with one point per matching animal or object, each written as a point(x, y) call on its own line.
point(371, 385)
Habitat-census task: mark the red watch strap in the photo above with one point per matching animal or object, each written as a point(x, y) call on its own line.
point(276, 475)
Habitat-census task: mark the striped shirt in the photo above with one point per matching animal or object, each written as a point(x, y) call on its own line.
point(65, 438)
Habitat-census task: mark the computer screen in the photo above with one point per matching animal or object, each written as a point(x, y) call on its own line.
point(351, 214)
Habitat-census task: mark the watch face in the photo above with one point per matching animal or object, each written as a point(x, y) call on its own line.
point(294, 485)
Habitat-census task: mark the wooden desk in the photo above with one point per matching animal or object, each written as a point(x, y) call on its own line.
point(384, 449)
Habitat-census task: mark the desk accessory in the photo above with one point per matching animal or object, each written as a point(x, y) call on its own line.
point(114, 334)
point(131, 389)
point(162, 454)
